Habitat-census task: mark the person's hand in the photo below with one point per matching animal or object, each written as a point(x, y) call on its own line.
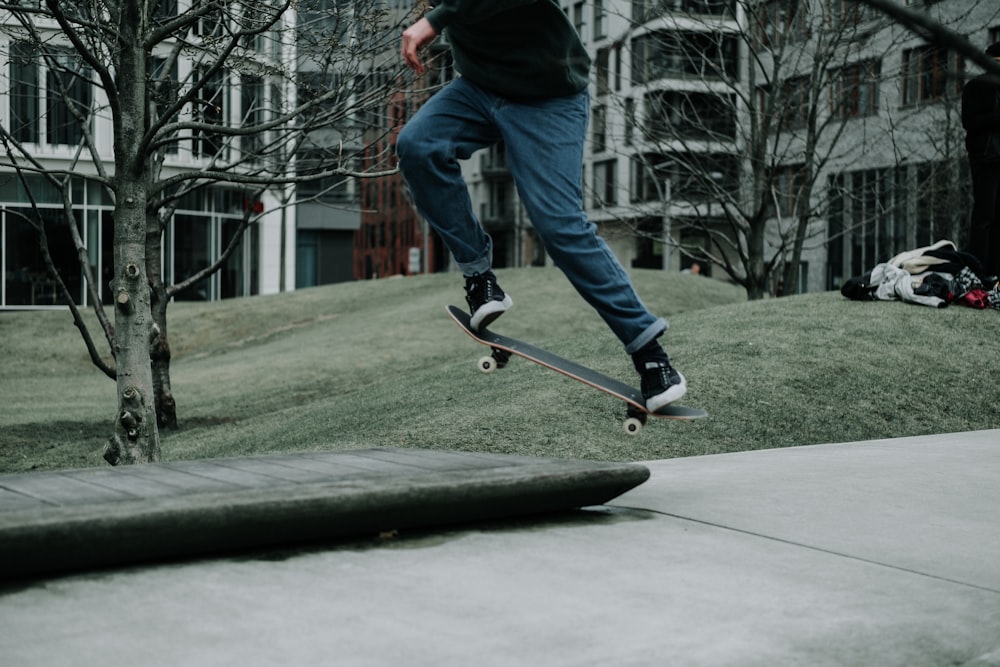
point(416, 37)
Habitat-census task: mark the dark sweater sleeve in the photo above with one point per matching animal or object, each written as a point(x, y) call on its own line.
point(447, 11)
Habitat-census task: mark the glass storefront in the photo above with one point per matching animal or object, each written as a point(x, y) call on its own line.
point(203, 227)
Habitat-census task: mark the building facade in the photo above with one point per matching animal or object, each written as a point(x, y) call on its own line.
point(60, 140)
point(865, 151)
point(678, 89)
point(864, 154)
point(664, 118)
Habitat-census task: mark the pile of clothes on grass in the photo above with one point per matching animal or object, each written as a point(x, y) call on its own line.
point(937, 276)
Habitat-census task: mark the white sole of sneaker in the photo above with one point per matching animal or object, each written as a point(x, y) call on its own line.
point(488, 312)
point(671, 395)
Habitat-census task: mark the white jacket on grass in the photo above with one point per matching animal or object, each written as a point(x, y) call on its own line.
point(896, 283)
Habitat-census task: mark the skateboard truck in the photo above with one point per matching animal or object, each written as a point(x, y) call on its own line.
point(635, 419)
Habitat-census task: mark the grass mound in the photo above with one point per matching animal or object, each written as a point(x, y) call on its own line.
point(379, 363)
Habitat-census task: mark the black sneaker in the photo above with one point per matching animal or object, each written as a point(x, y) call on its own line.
point(661, 384)
point(485, 298)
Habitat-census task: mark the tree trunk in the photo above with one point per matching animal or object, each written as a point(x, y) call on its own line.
point(135, 438)
point(790, 277)
point(757, 273)
point(159, 346)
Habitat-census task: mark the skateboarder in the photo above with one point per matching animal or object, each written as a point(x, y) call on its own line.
point(523, 81)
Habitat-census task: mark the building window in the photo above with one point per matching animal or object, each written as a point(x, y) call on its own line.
point(685, 55)
point(854, 90)
point(796, 102)
point(211, 23)
point(600, 20)
point(874, 214)
point(24, 92)
point(578, 18)
point(164, 89)
point(941, 191)
point(787, 185)
point(846, 14)
point(238, 277)
point(252, 94)
point(192, 250)
point(618, 67)
point(331, 188)
point(690, 115)
point(602, 67)
point(781, 21)
point(599, 129)
point(643, 10)
point(698, 177)
point(605, 183)
point(205, 223)
point(693, 177)
point(26, 280)
point(930, 74)
point(62, 97)
point(629, 137)
point(499, 211)
point(69, 92)
point(209, 109)
point(647, 10)
point(647, 176)
point(257, 37)
point(164, 11)
point(867, 222)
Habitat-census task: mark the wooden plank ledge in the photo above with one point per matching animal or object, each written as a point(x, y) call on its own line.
point(99, 517)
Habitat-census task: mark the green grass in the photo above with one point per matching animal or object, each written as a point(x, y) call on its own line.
point(379, 363)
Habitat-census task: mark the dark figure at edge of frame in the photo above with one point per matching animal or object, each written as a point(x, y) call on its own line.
point(523, 81)
point(981, 120)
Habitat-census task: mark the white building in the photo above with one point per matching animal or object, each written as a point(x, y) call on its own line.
point(45, 133)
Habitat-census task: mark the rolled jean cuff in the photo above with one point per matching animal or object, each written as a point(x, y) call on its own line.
point(652, 332)
point(480, 265)
point(472, 268)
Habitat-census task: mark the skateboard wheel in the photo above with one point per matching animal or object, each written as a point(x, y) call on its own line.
point(633, 426)
point(487, 364)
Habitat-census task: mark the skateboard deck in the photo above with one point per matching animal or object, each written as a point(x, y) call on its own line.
point(504, 346)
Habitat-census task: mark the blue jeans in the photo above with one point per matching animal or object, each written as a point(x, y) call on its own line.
point(544, 148)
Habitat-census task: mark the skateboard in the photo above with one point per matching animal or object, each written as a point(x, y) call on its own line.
point(502, 347)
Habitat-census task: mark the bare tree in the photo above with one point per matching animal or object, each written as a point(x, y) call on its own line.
point(163, 81)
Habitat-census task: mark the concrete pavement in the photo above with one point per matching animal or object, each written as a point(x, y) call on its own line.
point(870, 553)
